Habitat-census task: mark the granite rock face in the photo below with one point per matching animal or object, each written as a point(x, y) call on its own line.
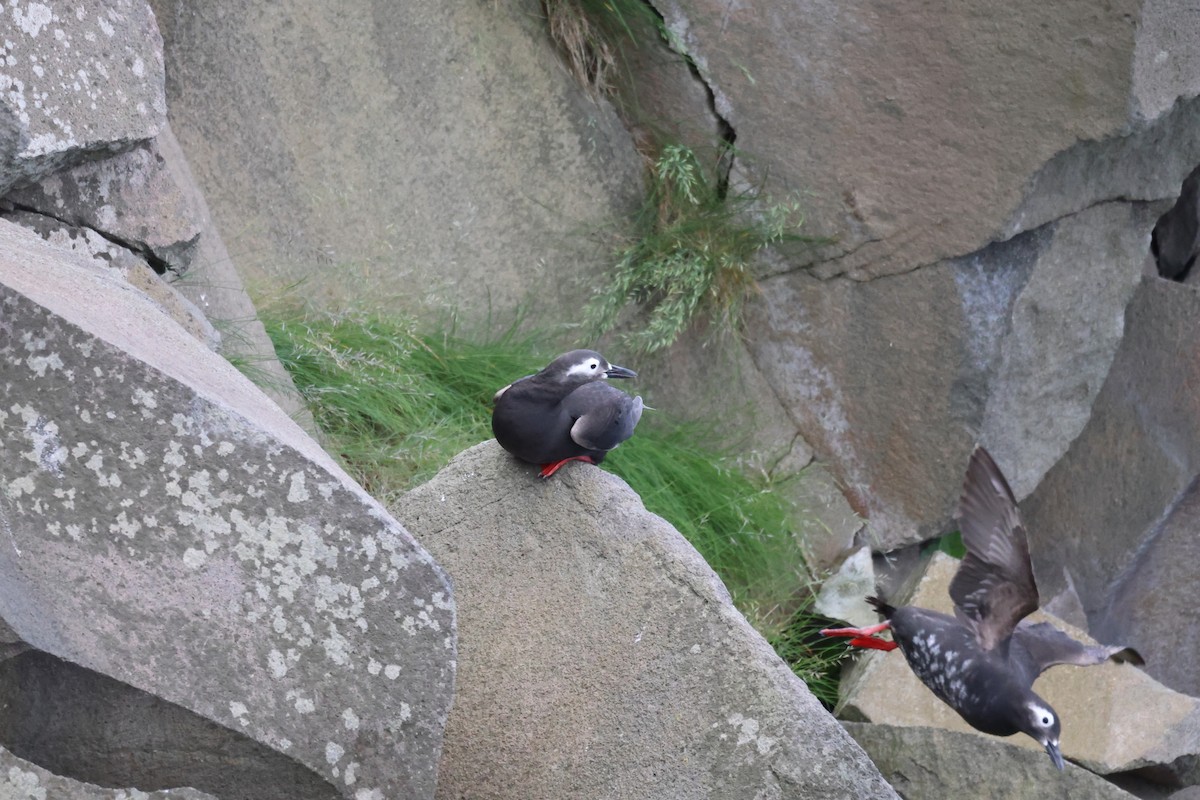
point(131, 197)
point(427, 156)
point(94, 248)
point(929, 133)
point(76, 80)
point(601, 657)
point(929, 140)
point(169, 527)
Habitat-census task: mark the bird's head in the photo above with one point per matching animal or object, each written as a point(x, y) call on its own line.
point(1039, 721)
point(584, 366)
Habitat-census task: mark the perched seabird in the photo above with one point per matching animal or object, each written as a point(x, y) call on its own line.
point(982, 662)
point(566, 412)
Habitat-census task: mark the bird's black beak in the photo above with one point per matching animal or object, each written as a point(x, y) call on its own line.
point(1054, 753)
point(614, 371)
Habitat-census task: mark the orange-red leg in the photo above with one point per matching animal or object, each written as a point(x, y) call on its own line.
point(551, 468)
point(864, 637)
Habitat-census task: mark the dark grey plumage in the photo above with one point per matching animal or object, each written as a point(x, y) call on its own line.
point(982, 661)
point(568, 411)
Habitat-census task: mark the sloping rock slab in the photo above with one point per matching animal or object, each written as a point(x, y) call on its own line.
point(600, 656)
point(1114, 522)
point(76, 79)
point(1115, 717)
point(168, 526)
point(935, 764)
point(20, 780)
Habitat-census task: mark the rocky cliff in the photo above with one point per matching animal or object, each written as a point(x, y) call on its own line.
point(1008, 196)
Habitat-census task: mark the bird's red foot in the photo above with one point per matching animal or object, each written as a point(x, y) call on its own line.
point(864, 637)
point(551, 468)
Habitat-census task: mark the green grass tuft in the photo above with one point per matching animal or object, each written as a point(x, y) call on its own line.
point(814, 658)
point(692, 254)
point(396, 405)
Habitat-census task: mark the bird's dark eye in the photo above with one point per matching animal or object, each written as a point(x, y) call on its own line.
point(1045, 720)
point(593, 365)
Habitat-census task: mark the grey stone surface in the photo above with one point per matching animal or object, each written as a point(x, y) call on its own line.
point(166, 525)
point(935, 764)
point(601, 657)
point(1064, 330)
point(21, 780)
point(76, 79)
point(893, 381)
point(829, 528)
point(887, 379)
point(922, 128)
point(661, 98)
point(1149, 604)
point(131, 198)
point(426, 156)
point(1112, 522)
point(10, 643)
point(1115, 717)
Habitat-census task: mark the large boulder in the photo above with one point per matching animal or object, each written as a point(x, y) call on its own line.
point(1113, 526)
point(431, 156)
point(1115, 717)
point(169, 527)
point(82, 726)
point(104, 254)
point(599, 656)
point(76, 80)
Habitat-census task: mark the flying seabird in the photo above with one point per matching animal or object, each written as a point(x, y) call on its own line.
point(982, 662)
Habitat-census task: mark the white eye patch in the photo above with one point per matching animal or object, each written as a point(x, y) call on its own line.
point(589, 368)
point(1043, 716)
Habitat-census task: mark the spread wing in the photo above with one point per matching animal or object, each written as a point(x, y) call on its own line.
point(604, 416)
point(993, 589)
point(1036, 647)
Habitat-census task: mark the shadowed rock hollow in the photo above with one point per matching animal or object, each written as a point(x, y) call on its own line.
point(600, 656)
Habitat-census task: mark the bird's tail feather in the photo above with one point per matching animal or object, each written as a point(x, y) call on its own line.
point(884, 609)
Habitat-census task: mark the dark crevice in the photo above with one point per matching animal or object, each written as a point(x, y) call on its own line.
point(158, 264)
point(1175, 240)
point(725, 129)
point(89, 727)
